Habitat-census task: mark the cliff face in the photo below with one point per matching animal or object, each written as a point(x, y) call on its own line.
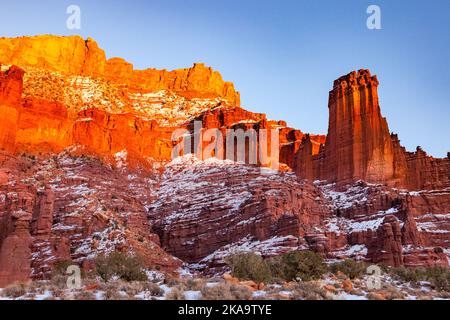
point(70, 55)
point(196, 82)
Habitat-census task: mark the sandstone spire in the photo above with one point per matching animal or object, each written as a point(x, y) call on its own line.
point(358, 144)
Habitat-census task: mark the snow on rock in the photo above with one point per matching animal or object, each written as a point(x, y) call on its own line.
point(203, 206)
point(269, 247)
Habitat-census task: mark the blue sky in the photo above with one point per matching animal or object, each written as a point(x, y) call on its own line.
point(282, 55)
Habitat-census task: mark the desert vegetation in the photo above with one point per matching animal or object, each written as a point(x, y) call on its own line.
point(291, 276)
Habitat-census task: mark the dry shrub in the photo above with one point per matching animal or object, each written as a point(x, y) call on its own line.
point(351, 268)
point(220, 291)
point(84, 296)
point(240, 292)
point(154, 289)
point(176, 293)
point(112, 293)
point(58, 281)
point(15, 291)
point(225, 291)
point(195, 284)
point(172, 281)
point(309, 291)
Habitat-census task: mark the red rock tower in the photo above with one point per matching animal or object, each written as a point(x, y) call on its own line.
point(358, 144)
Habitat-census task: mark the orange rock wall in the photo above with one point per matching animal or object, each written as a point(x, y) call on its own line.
point(10, 103)
point(76, 56)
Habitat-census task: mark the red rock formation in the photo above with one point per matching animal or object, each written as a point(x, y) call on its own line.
point(388, 246)
point(303, 161)
point(60, 216)
point(71, 55)
point(196, 82)
point(194, 222)
point(426, 172)
point(10, 102)
point(52, 120)
point(360, 147)
point(58, 205)
point(15, 252)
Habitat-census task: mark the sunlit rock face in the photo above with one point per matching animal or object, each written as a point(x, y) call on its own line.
point(10, 104)
point(358, 143)
point(86, 169)
point(73, 95)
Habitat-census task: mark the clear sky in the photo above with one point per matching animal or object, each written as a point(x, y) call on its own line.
point(282, 55)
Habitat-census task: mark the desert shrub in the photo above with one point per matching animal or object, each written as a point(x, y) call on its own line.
point(58, 281)
point(84, 296)
point(249, 266)
point(155, 290)
point(172, 281)
point(220, 291)
point(225, 291)
point(351, 268)
point(126, 267)
point(406, 274)
point(132, 288)
point(438, 277)
point(240, 292)
point(195, 284)
point(276, 267)
point(15, 291)
point(308, 291)
point(112, 293)
point(306, 265)
point(60, 267)
point(392, 293)
point(176, 293)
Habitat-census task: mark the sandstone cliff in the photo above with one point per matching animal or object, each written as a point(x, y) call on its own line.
point(76, 56)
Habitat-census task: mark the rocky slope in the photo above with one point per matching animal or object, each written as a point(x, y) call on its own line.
point(86, 169)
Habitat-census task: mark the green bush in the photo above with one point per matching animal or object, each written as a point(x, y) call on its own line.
point(351, 268)
point(306, 265)
point(249, 266)
point(407, 274)
point(438, 277)
point(126, 267)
